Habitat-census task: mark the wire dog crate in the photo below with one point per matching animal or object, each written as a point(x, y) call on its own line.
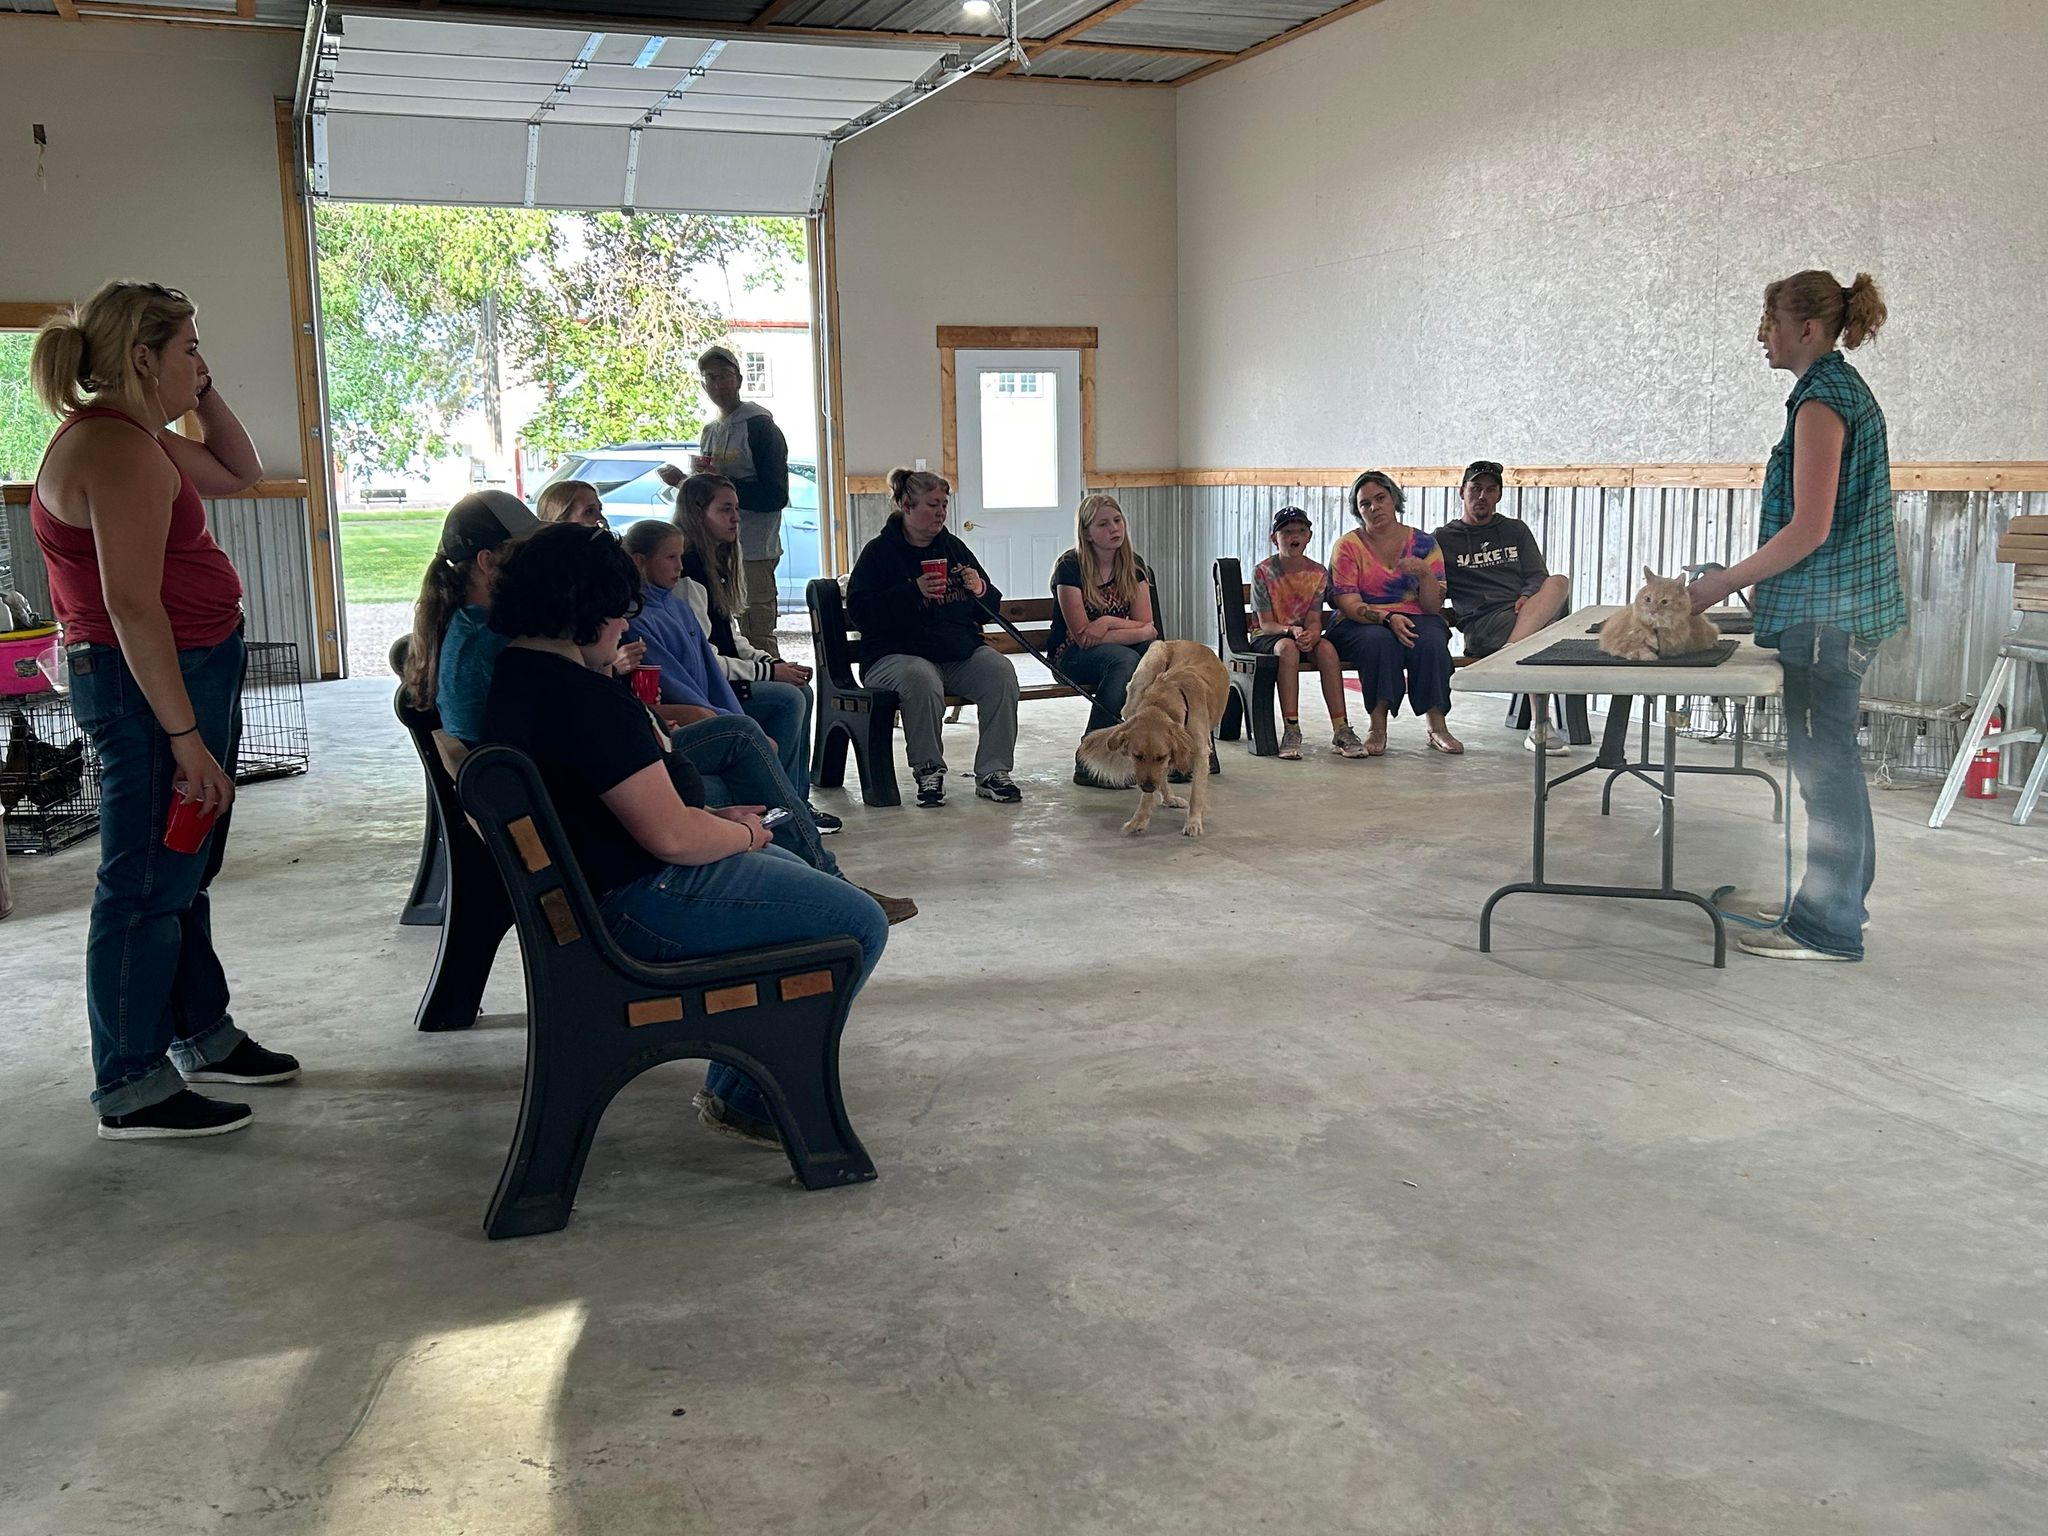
point(49, 775)
point(273, 714)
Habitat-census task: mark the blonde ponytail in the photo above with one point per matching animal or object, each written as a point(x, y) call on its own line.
point(79, 356)
point(56, 366)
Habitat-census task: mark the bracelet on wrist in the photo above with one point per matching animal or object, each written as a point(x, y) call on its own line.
point(174, 735)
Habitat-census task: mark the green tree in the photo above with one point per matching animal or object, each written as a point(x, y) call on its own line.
point(406, 298)
point(596, 309)
point(25, 427)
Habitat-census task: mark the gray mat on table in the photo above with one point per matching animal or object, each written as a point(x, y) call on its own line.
point(1587, 653)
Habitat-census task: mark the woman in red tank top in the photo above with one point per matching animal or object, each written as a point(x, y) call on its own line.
point(151, 608)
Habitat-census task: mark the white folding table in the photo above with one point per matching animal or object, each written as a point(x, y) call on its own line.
point(1751, 672)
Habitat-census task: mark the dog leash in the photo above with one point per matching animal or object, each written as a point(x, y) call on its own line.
point(1037, 655)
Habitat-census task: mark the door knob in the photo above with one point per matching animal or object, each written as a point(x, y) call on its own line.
point(967, 527)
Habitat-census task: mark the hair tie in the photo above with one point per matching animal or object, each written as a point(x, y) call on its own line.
point(1848, 294)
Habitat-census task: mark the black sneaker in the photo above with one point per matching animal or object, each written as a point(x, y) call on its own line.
point(827, 823)
point(997, 787)
point(931, 786)
point(183, 1114)
point(248, 1064)
point(1088, 778)
point(1215, 770)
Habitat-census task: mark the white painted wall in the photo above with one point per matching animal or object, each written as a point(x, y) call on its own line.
point(162, 167)
point(1006, 203)
point(1539, 230)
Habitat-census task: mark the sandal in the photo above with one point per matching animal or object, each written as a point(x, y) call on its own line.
point(1376, 742)
point(1444, 741)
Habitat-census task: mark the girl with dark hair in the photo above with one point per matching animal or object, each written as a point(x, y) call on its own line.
point(152, 615)
point(672, 879)
point(1827, 595)
point(1387, 580)
point(449, 658)
point(774, 693)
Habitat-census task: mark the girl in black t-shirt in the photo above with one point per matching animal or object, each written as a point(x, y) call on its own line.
point(672, 881)
point(1104, 617)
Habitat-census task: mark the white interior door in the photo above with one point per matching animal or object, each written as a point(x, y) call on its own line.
point(1018, 432)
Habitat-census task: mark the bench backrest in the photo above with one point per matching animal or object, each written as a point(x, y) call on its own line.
point(1234, 619)
point(832, 638)
point(424, 727)
point(501, 791)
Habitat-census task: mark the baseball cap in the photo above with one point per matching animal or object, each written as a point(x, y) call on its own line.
point(484, 520)
point(718, 357)
point(1479, 467)
point(1288, 515)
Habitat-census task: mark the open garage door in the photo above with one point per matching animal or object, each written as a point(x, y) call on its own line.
point(500, 113)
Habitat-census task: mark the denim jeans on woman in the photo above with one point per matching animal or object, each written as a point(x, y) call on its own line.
point(155, 994)
point(1824, 669)
point(682, 912)
point(739, 767)
point(1106, 669)
point(783, 711)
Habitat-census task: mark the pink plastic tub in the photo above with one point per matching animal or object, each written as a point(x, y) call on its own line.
point(19, 649)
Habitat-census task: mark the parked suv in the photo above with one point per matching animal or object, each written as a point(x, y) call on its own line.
point(609, 468)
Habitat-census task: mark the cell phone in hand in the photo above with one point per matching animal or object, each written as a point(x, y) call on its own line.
point(775, 818)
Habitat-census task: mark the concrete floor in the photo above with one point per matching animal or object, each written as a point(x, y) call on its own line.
point(1224, 1187)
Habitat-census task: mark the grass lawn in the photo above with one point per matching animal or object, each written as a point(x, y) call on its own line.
point(384, 552)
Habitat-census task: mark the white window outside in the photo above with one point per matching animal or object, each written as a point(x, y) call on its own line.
point(760, 378)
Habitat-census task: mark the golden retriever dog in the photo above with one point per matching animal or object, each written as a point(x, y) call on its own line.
point(1175, 700)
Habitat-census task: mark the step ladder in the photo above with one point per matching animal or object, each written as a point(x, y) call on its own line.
point(2026, 646)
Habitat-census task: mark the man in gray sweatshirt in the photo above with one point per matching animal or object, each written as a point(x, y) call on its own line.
point(746, 447)
point(1500, 588)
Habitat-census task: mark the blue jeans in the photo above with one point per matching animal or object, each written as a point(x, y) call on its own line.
point(1380, 660)
point(1107, 669)
point(744, 902)
point(783, 711)
point(739, 768)
point(155, 993)
point(1824, 669)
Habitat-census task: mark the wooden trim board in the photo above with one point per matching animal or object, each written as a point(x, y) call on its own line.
point(29, 314)
point(322, 539)
point(1016, 336)
point(1988, 475)
point(16, 493)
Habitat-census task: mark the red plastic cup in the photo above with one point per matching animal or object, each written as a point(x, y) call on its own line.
point(937, 568)
point(647, 685)
point(189, 823)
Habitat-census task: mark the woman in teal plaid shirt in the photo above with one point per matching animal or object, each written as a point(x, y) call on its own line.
point(1827, 595)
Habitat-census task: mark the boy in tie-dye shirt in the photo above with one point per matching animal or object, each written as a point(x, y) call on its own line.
point(1288, 593)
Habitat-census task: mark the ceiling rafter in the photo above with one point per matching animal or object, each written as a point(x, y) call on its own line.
point(1094, 18)
point(1313, 24)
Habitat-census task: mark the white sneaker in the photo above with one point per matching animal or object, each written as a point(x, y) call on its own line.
point(1779, 945)
point(1557, 746)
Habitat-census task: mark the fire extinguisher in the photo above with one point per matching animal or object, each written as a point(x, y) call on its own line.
point(1982, 781)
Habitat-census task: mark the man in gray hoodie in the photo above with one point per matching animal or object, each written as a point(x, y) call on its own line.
point(746, 447)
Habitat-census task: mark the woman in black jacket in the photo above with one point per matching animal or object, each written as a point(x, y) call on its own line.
point(920, 637)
